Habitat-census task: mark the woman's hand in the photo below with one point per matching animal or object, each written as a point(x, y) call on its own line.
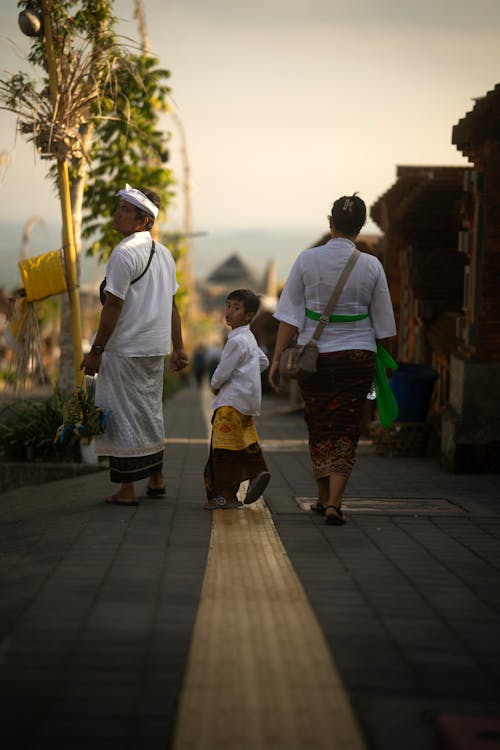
point(274, 375)
point(285, 334)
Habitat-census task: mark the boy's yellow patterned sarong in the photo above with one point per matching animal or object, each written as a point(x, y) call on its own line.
point(232, 430)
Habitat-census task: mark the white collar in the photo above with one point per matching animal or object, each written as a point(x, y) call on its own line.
point(240, 329)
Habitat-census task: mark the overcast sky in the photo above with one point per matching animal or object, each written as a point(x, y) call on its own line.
point(287, 104)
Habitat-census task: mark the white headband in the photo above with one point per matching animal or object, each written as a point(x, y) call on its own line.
point(134, 196)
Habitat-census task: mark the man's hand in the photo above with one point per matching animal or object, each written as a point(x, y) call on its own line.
point(91, 363)
point(178, 360)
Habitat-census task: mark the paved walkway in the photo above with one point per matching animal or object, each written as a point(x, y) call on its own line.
point(98, 603)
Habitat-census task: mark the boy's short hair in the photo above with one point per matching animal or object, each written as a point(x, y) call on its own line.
point(349, 214)
point(250, 300)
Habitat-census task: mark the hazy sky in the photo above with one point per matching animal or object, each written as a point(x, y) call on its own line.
point(287, 104)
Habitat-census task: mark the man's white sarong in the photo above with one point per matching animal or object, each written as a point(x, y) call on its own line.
point(132, 388)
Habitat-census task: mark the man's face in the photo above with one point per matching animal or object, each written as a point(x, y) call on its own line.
point(126, 220)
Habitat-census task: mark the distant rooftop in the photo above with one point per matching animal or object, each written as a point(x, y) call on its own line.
point(233, 272)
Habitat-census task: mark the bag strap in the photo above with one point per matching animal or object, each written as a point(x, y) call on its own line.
point(148, 263)
point(335, 295)
point(102, 293)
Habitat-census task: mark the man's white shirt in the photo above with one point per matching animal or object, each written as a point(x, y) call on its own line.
point(144, 328)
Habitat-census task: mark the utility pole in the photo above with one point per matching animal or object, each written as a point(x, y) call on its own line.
point(186, 190)
point(141, 23)
point(187, 233)
point(140, 16)
point(69, 249)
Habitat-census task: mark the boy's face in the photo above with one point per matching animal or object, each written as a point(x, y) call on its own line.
point(236, 315)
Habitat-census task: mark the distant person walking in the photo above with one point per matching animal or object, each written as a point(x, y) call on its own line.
point(139, 323)
point(213, 359)
point(335, 394)
point(199, 364)
point(235, 453)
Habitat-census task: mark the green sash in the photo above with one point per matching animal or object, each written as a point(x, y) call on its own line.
point(335, 318)
point(387, 405)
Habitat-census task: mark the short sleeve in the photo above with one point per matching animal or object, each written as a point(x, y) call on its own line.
point(381, 310)
point(119, 274)
point(291, 304)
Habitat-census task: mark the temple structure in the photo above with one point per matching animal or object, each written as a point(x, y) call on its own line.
point(441, 253)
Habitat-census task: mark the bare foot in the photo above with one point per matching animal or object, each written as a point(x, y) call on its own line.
point(156, 485)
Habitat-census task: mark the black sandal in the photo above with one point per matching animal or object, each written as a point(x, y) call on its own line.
point(336, 520)
point(155, 491)
point(318, 508)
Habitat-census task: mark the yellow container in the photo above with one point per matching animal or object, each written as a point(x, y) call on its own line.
point(43, 276)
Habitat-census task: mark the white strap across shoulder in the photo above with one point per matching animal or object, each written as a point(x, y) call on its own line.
point(335, 294)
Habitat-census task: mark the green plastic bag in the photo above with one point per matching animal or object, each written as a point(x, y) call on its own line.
point(387, 405)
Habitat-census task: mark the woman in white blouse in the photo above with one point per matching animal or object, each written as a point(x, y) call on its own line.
point(362, 319)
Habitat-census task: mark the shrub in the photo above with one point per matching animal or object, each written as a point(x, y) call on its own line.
point(27, 430)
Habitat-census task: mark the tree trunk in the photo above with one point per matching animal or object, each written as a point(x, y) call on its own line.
point(66, 369)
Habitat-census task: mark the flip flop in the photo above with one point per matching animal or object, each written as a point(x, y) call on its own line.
point(155, 491)
point(231, 504)
point(114, 501)
point(318, 508)
point(221, 503)
point(257, 487)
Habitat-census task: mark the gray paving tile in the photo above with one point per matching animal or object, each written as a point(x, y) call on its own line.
point(97, 604)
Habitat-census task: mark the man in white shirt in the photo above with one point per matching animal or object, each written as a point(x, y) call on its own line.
point(139, 323)
point(235, 454)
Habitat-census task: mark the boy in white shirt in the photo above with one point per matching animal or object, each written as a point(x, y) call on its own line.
point(235, 454)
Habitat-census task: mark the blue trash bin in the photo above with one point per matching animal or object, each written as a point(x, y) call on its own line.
point(412, 386)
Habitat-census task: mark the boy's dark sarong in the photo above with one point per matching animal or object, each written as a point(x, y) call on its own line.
point(226, 468)
point(333, 402)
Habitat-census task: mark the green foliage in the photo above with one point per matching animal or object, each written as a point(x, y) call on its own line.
point(27, 430)
point(70, 19)
point(177, 246)
point(7, 375)
point(128, 146)
point(84, 52)
point(105, 90)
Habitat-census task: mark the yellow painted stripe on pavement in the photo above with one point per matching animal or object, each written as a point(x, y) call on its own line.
point(260, 674)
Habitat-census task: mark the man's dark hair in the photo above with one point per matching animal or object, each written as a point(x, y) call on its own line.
point(349, 214)
point(251, 302)
point(154, 198)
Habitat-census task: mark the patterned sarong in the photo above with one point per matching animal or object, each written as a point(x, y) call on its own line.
point(235, 454)
point(131, 387)
point(333, 403)
point(232, 430)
